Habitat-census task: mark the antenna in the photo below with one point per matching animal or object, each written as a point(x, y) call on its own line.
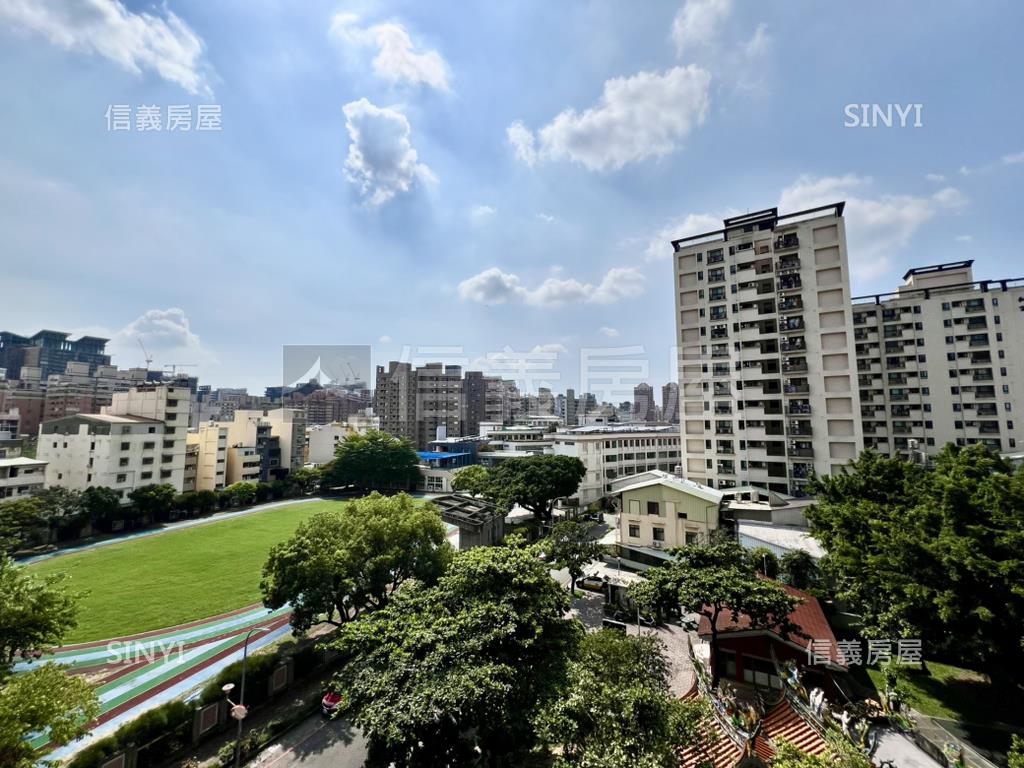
point(148, 357)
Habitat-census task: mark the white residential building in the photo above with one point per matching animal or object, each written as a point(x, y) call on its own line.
point(940, 361)
point(169, 404)
point(20, 477)
point(767, 372)
point(119, 452)
point(210, 442)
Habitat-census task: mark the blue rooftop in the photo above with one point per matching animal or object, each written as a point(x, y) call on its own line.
point(431, 455)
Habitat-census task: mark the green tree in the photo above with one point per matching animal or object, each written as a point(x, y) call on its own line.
point(154, 501)
point(241, 494)
point(570, 546)
point(474, 480)
point(102, 505)
point(719, 582)
point(63, 510)
point(35, 613)
point(1015, 759)
point(341, 562)
point(375, 460)
point(800, 569)
point(465, 664)
point(306, 479)
point(535, 482)
point(43, 699)
point(22, 524)
point(934, 554)
point(205, 502)
point(263, 492)
point(618, 710)
point(842, 754)
point(765, 562)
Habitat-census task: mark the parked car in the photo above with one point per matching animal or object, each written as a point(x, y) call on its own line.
point(331, 702)
point(591, 583)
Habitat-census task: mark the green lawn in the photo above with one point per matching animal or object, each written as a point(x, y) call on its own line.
point(177, 576)
point(957, 694)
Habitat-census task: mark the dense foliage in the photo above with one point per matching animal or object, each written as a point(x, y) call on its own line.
point(533, 482)
point(374, 461)
point(935, 553)
point(570, 546)
point(344, 561)
point(462, 665)
point(617, 709)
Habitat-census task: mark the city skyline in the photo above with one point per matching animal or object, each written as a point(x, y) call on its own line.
point(479, 211)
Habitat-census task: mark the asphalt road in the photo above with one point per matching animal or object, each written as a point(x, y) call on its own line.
point(315, 743)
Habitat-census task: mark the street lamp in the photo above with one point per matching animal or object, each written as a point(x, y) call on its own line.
point(239, 710)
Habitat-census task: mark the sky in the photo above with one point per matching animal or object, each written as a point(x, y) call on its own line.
point(487, 184)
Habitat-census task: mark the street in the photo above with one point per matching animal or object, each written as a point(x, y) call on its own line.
point(316, 743)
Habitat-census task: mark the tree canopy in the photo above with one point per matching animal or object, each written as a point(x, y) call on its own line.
point(467, 663)
point(618, 710)
point(533, 482)
point(35, 613)
point(375, 460)
point(717, 580)
point(570, 546)
point(341, 562)
point(931, 553)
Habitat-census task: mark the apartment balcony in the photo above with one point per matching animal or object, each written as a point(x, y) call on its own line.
point(984, 393)
point(795, 344)
point(785, 242)
point(726, 468)
point(800, 429)
point(723, 431)
point(719, 313)
point(800, 450)
point(984, 375)
point(720, 333)
point(977, 323)
point(800, 387)
point(715, 257)
point(801, 470)
point(791, 304)
point(899, 396)
point(988, 427)
point(974, 305)
point(721, 390)
point(986, 409)
point(790, 283)
point(725, 450)
point(895, 364)
point(723, 410)
point(788, 265)
point(798, 365)
point(791, 324)
point(798, 408)
point(900, 411)
point(975, 342)
point(721, 370)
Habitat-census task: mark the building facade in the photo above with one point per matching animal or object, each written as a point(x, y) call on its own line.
point(670, 403)
point(940, 360)
point(767, 370)
point(659, 510)
point(170, 405)
point(209, 442)
point(50, 352)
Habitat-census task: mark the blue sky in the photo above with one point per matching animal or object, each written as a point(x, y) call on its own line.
point(471, 182)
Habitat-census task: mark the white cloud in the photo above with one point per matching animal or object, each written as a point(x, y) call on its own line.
point(965, 171)
point(492, 286)
point(760, 44)
point(397, 60)
point(381, 160)
point(1013, 158)
point(481, 212)
point(964, 238)
point(167, 335)
point(556, 349)
point(545, 217)
point(876, 227)
point(938, 178)
point(158, 41)
point(697, 22)
point(385, 339)
point(611, 333)
point(521, 137)
point(637, 117)
point(660, 245)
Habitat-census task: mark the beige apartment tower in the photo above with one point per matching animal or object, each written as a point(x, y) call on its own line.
point(939, 361)
point(767, 372)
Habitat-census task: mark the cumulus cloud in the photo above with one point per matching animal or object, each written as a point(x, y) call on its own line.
point(492, 286)
point(697, 22)
point(646, 115)
point(877, 226)
point(547, 218)
point(481, 212)
point(1013, 158)
point(611, 333)
point(385, 339)
point(398, 59)
point(135, 41)
point(660, 244)
point(381, 159)
point(167, 335)
point(557, 349)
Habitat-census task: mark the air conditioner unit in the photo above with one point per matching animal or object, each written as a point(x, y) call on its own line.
point(657, 544)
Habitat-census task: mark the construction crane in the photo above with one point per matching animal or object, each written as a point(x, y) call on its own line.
point(148, 357)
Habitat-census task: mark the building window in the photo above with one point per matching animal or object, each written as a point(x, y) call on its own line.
point(634, 531)
point(653, 508)
point(691, 537)
point(659, 534)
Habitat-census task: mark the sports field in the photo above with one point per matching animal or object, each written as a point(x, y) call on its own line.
point(175, 577)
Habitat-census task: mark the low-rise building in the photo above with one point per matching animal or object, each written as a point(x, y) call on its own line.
point(245, 464)
point(20, 477)
point(611, 452)
point(659, 510)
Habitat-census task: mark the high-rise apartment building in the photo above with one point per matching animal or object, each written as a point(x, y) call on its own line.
point(50, 352)
point(394, 399)
point(643, 403)
point(571, 408)
point(438, 403)
point(670, 403)
point(767, 371)
point(170, 405)
point(940, 361)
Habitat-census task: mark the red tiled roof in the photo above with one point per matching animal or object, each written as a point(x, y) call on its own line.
point(807, 615)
